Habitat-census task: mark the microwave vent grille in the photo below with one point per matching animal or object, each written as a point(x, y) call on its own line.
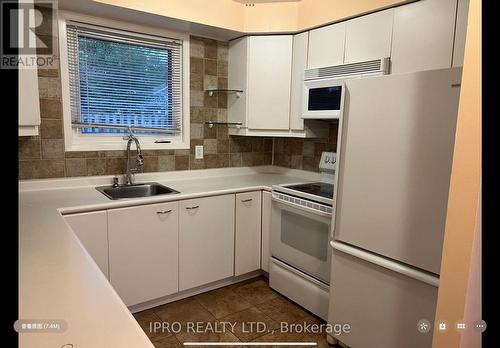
point(377, 66)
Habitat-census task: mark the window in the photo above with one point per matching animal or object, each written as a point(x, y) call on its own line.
point(120, 81)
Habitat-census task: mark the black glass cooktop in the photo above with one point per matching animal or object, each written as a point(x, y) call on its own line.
point(322, 189)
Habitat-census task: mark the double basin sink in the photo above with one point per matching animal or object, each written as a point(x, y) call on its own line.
point(148, 189)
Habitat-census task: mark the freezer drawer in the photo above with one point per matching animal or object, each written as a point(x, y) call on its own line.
point(382, 306)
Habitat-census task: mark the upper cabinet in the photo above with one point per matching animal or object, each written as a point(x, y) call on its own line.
point(299, 64)
point(29, 103)
point(423, 36)
point(369, 37)
point(326, 46)
point(460, 33)
point(269, 67)
point(262, 67)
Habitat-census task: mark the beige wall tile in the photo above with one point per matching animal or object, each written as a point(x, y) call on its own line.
point(197, 47)
point(96, 166)
point(50, 108)
point(166, 163)
point(51, 129)
point(181, 162)
point(210, 67)
point(29, 148)
point(196, 65)
point(76, 167)
point(41, 169)
point(52, 148)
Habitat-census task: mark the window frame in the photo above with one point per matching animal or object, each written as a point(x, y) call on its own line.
point(73, 139)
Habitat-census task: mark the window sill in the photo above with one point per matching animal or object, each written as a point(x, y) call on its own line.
point(120, 144)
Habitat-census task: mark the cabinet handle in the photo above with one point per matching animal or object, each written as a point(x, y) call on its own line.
point(194, 207)
point(164, 211)
point(247, 200)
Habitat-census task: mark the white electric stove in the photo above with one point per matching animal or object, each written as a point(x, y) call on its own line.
point(300, 252)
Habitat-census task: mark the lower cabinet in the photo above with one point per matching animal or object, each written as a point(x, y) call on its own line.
point(91, 229)
point(266, 230)
point(247, 233)
point(206, 240)
point(155, 250)
point(143, 251)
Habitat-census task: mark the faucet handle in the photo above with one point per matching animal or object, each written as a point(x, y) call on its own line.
point(115, 181)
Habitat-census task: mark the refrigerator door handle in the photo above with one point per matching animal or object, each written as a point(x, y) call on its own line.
point(385, 263)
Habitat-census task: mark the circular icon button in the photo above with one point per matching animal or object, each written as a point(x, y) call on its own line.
point(460, 326)
point(424, 326)
point(479, 325)
point(442, 326)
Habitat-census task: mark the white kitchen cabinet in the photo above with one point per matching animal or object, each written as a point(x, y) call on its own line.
point(460, 33)
point(326, 46)
point(206, 240)
point(143, 251)
point(261, 66)
point(29, 102)
point(369, 37)
point(299, 64)
point(266, 230)
point(269, 67)
point(92, 231)
point(423, 36)
point(247, 232)
point(262, 69)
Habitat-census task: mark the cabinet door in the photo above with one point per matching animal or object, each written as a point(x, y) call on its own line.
point(369, 37)
point(460, 33)
point(237, 79)
point(92, 230)
point(326, 46)
point(206, 240)
point(266, 230)
point(269, 76)
point(423, 36)
point(248, 233)
point(299, 63)
point(143, 251)
point(28, 101)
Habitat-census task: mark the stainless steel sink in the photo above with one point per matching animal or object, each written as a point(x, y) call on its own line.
point(147, 189)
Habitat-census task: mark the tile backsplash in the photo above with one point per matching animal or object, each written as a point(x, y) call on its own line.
point(44, 156)
point(304, 153)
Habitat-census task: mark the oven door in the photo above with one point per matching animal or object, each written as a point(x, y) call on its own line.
point(300, 237)
point(323, 99)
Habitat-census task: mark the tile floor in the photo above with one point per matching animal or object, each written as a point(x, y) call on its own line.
point(230, 311)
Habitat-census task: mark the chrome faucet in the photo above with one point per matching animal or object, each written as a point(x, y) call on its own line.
point(139, 160)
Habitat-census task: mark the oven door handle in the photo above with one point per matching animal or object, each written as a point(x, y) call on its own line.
point(301, 207)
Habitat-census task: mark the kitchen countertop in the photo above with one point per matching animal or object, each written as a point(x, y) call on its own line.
point(57, 277)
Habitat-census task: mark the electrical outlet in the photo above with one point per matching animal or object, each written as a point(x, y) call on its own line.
point(198, 152)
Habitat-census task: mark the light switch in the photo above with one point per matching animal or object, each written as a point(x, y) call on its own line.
point(198, 152)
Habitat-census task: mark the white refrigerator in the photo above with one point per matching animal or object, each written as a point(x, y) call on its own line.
point(396, 141)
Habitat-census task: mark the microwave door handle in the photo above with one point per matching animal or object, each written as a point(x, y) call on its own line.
point(301, 207)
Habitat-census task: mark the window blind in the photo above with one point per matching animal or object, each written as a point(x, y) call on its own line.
point(121, 80)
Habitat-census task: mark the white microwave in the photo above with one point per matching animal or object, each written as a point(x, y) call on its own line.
point(324, 88)
point(323, 98)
